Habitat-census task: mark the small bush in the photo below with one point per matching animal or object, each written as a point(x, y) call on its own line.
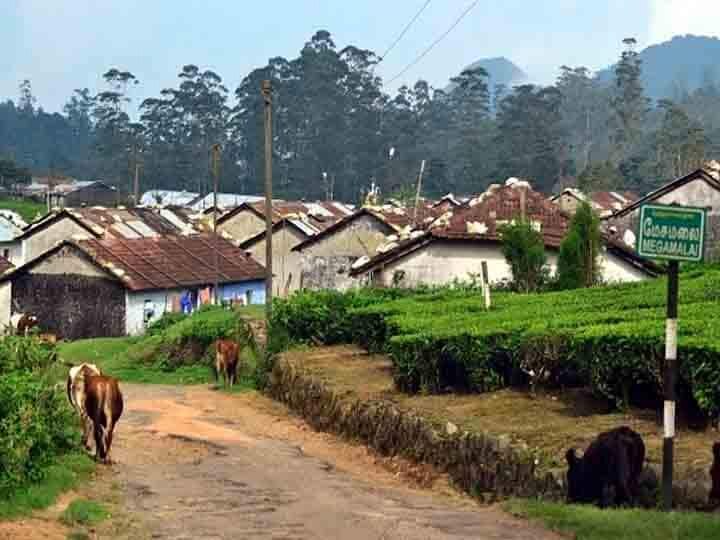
point(36, 422)
point(84, 512)
point(163, 323)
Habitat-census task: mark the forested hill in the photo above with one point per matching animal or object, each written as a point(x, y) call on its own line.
point(337, 129)
point(677, 67)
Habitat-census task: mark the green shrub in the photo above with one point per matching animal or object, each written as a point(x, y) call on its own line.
point(524, 250)
point(84, 512)
point(36, 426)
point(578, 258)
point(25, 354)
point(163, 323)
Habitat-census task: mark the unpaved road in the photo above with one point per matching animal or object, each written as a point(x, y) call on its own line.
point(194, 463)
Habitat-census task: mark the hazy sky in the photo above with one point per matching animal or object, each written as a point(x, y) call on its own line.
point(65, 44)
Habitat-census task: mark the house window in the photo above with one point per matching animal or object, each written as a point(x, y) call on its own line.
point(148, 311)
point(248, 297)
point(6, 253)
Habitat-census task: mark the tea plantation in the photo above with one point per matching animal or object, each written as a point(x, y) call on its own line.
point(608, 338)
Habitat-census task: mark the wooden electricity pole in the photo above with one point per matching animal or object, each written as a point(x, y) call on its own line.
point(136, 183)
point(419, 189)
point(267, 98)
point(216, 176)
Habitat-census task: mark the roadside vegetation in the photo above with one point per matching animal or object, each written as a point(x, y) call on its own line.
point(590, 523)
point(176, 349)
point(39, 432)
point(84, 512)
point(28, 209)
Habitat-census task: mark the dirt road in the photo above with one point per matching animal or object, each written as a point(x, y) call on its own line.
point(194, 463)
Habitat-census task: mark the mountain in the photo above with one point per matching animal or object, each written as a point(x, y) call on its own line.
point(682, 64)
point(501, 70)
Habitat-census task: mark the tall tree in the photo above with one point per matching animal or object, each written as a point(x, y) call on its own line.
point(529, 135)
point(627, 102)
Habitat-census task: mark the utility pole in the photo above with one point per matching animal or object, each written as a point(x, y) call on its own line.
point(267, 98)
point(216, 175)
point(136, 183)
point(417, 194)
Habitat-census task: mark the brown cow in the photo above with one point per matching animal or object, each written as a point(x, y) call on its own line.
point(22, 323)
point(99, 401)
point(715, 474)
point(227, 354)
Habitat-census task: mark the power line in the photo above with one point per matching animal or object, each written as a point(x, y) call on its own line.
point(434, 43)
point(407, 27)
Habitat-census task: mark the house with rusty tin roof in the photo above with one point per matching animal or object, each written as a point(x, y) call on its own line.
point(455, 246)
point(95, 222)
point(92, 287)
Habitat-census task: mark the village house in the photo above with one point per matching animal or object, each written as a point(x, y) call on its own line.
point(10, 229)
point(114, 287)
point(293, 223)
point(93, 222)
point(326, 258)
point(92, 193)
point(248, 220)
point(603, 203)
point(700, 188)
point(454, 248)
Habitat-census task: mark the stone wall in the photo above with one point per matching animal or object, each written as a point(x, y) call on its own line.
point(481, 464)
point(485, 465)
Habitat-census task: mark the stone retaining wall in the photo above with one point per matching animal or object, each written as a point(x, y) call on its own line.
point(481, 464)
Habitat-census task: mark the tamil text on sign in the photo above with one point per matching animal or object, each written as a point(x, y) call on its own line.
point(671, 232)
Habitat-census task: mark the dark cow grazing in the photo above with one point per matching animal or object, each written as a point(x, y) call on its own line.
point(613, 460)
point(715, 474)
point(22, 323)
point(99, 403)
point(227, 354)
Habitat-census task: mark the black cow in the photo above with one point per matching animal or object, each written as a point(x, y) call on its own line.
point(613, 460)
point(715, 474)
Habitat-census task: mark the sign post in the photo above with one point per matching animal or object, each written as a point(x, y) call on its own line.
point(672, 233)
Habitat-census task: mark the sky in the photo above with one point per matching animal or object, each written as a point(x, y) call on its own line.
point(60, 45)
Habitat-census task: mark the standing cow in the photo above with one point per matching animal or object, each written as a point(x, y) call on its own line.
point(99, 403)
point(22, 323)
point(613, 460)
point(227, 354)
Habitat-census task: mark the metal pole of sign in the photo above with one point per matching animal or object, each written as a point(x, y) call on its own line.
point(669, 381)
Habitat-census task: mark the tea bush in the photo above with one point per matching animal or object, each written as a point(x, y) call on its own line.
point(37, 424)
point(610, 338)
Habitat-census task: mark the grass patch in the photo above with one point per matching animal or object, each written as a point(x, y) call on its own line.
point(65, 474)
point(253, 312)
point(84, 512)
point(26, 208)
point(111, 355)
point(591, 523)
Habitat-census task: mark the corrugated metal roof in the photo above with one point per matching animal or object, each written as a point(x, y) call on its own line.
point(225, 200)
point(172, 261)
point(167, 197)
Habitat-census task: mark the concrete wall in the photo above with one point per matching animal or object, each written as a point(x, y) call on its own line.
point(68, 261)
point(47, 238)
point(135, 308)
point(326, 263)
point(567, 203)
point(441, 263)
point(616, 270)
point(243, 225)
point(256, 290)
point(5, 305)
point(286, 263)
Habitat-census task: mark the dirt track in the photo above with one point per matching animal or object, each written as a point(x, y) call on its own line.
point(194, 463)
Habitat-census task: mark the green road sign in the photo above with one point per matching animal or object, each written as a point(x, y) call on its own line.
point(675, 233)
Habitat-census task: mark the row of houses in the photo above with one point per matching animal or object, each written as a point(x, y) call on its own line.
point(93, 270)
